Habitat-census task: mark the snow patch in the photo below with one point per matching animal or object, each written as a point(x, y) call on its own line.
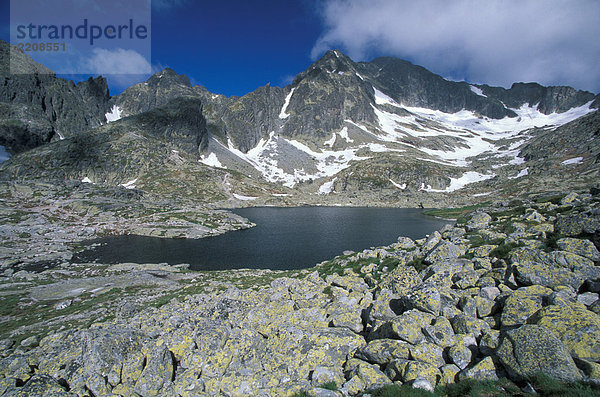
point(458, 183)
point(382, 99)
point(517, 161)
point(399, 186)
point(477, 91)
point(327, 187)
point(331, 141)
point(524, 172)
point(86, 180)
point(130, 184)
point(114, 114)
point(343, 133)
point(575, 160)
point(283, 114)
point(211, 160)
point(482, 194)
point(244, 198)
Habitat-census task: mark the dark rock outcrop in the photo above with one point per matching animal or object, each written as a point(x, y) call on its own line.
point(37, 107)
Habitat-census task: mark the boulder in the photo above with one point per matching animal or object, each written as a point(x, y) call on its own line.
point(428, 353)
point(155, 379)
point(580, 247)
point(480, 220)
point(425, 298)
point(443, 251)
point(577, 328)
point(383, 351)
point(460, 355)
point(523, 303)
point(408, 326)
point(484, 370)
point(531, 349)
point(401, 280)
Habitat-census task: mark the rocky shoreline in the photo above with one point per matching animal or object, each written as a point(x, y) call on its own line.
point(509, 291)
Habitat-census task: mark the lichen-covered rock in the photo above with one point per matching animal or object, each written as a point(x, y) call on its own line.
point(482, 251)
point(433, 240)
point(523, 303)
point(548, 276)
point(440, 332)
point(428, 353)
point(577, 328)
point(443, 251)
point(576, 224)
point(580, 247)
point(460, 355)
point(464, 324)
point(425, 297)
point(535, 267)
point(408, 326)
point(449, 372)
point(478, 221)
point(401, 280)
point(531, 349)
point(405, 243)
point(383, 351)
point(156, 377)
point(419, 369)
point(484, 370)
point(371, 376)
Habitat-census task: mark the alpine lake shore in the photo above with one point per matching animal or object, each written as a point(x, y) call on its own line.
point(503, 302)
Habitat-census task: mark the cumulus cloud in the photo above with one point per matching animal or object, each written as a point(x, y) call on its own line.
point(122, 67)
point(498, 42)
point(117, 61)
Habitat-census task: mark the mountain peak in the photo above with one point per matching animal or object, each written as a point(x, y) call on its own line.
point(169, 76)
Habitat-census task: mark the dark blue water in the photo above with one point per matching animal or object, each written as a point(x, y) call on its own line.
point(284, 238)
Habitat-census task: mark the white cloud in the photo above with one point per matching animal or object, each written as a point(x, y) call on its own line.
point(118, 61)
point(492, 41)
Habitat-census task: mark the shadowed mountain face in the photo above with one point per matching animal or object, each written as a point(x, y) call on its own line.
point(36, 107)
point(341, 130)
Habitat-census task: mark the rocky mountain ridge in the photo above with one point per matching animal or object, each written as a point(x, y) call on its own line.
point(36, 107)
point(343, 132)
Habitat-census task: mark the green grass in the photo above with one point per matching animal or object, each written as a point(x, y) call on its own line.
point(503, 250)
point(329, 386)
point(44, 311)
point(543, 385)
point(461, 214)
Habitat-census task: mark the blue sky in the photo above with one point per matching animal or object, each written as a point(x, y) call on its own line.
point(233, 47)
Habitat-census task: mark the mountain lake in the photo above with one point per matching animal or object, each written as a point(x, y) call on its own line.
point(283, 239)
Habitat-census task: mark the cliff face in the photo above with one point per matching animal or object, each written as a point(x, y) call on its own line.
point(37, 107)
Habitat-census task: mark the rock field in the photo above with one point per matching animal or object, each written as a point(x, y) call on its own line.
point(508, 291)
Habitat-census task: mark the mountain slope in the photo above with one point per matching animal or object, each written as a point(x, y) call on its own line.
point(385, 132)
point(36, 107)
